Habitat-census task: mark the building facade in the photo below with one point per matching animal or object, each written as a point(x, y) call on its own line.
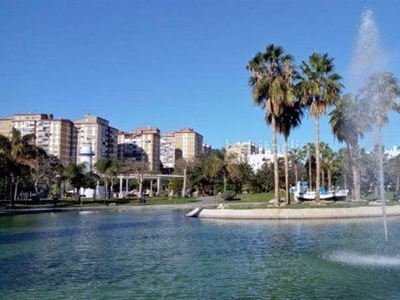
point(142, 144)
point(97, 132)
point(167, 150)
point(240, 151)
point(188, 144)
point(56, 136)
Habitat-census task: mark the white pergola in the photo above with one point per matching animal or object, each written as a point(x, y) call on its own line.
point(157, 177)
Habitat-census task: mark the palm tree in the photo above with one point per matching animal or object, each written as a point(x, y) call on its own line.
point(349, 124)
point(327, 164)
point(296, 155)
point(108, 167)
point(380, 94)
point(76, 175)
point(319, 88)
point(19, 154)
point(309, 150)
point(271, 82)
point(289, 119)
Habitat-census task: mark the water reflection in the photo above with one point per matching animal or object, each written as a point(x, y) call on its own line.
point(139, 255)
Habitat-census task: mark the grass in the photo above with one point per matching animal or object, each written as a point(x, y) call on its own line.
point(241, 201)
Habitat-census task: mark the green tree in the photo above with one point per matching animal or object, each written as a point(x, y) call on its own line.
point(108, 168)
point(76, 176)
point(393, 168)
point(309, 149)
point(289, 119)
point(296, 156)
point(318, 88)
point(19, 155)
point(349, 123)
point(272, 88)
point(380, 94)
point(196, 174)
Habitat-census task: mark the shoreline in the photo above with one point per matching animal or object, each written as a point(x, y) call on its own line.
point(208, 210)
point(294, 214)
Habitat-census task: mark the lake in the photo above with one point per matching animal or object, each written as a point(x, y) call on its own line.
point(164, 255)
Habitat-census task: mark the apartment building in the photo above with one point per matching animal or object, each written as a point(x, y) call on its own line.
point(167, 150)
point(96, 132)
point(70, 140)
point(188, 144)
point(56, 136)
point(240, 150)
point(142, 144)
point(184, 143)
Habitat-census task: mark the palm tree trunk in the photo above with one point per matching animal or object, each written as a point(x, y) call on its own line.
point(16, 189)
point(184, 182)
point(309, 169)
point(276, 172)
point(354, 157)
point(225, 181)
point(329, 179)
point(287, 194)
point(317, 162)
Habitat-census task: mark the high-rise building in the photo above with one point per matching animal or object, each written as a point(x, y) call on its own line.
point(167, 150)
point(62, 140)
point(55, 136)
point(184, 143)
point(97, 132)
point(142, 144)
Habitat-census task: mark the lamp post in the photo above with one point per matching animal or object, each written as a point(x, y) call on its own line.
point(11, 189)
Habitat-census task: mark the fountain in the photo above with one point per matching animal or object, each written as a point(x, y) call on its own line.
point(367, 63)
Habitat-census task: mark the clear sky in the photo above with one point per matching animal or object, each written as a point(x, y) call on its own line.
point(174, 63)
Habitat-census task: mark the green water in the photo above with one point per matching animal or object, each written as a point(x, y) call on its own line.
point(163, 255)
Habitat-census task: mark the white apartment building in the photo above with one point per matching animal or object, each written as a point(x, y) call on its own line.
point(97, 132)
point(167, 150)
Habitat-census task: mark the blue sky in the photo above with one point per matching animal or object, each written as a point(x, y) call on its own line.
point(174, 63)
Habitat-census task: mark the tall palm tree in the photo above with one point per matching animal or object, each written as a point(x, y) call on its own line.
point(349, 124)
point(109, 168)
point(380, 94)
point(309, 150)
point(296, 155)
point(217, 166)
point(76, 175)
point(289, 119)
point(271, 75)
point(327, 160)
point(19, 154)
point(319, 88)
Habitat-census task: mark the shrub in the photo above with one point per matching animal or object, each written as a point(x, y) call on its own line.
point(228, 195)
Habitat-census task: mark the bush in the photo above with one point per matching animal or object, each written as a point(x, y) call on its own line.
point(228, 195)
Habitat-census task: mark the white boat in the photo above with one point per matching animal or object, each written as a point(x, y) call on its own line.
point(301, 193)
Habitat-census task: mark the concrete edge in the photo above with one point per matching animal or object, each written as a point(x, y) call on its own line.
point(305, 213)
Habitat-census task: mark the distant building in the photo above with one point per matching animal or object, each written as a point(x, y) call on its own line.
point(184, 143)
point(142, 144)
point(99, 134)
point(70, 141)
point(240, 150)
point(167, 150)
point(393, 152)
point(188, 144)
point(56, 136)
